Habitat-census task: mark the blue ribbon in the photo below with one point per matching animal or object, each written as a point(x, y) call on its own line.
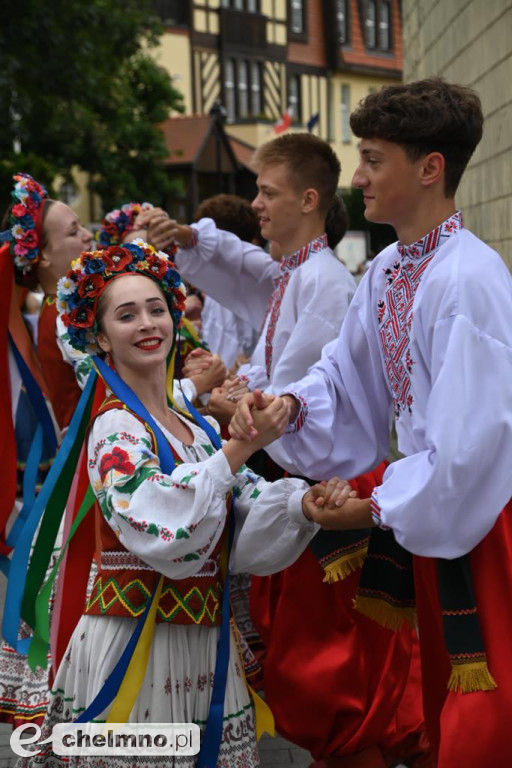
point(113, 682)
point(36, 399)
point(116, 385)
point(21, 554)
point(29, 485)
point(212, 737)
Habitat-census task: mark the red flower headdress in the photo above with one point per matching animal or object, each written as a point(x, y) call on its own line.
point(24, 236)
point(79, 291)
point(119, 222)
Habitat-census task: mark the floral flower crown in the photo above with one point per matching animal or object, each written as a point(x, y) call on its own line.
point(24, 235)
point(79, 291)
point(118, 222)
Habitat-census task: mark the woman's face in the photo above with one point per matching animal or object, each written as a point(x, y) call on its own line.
point(65, 238)
point(136, 325)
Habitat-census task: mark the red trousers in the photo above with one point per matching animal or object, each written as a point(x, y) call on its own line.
point(471, 730)
point(335, 679)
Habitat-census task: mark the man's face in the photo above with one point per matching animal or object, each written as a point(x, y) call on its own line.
point(390, 182)
point(278, 204)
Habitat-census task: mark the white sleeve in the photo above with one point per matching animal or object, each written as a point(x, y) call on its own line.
point(442, 501)
point(345, 419)
point(172, 522)
point(271, 531)
point(238, 275)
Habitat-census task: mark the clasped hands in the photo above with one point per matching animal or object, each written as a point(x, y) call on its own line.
point(332, 504)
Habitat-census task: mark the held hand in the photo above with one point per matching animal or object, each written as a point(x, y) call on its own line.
point(223, 400)
point(328, 494)
point(270, 418)
point(159, 228)
point(196, 362)
point(352, 515)
point(214, 376)
point(242, 424)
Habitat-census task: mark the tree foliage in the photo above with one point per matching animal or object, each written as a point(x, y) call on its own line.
point(78, 87)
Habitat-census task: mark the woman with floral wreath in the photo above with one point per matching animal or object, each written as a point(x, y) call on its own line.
point(43, 238)
point(162, 528)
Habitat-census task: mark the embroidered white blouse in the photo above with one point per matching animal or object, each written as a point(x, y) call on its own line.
point(173, 522)
point(242, 277)
point(428, 336)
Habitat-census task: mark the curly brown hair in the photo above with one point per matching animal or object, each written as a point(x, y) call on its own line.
point(232, 214)
point(425, 116)
point(310, 160)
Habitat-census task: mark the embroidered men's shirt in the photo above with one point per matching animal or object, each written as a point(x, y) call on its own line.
point(243, 277)
point(287, 265)
point(429, 336)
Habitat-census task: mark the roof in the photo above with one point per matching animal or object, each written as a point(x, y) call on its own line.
point(184, 137)
point(243, 152)
point(187, 140)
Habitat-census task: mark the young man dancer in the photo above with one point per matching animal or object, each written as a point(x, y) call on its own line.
point(335, 688)
point(428, 335)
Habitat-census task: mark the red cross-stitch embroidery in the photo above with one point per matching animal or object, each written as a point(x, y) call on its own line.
point(394, 311)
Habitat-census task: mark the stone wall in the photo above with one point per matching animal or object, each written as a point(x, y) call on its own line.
point(470, 42)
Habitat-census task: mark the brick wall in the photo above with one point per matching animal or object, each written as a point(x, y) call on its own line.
point(468, 41)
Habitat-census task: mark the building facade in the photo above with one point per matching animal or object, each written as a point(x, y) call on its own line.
point(262, 59)
point(468, 41)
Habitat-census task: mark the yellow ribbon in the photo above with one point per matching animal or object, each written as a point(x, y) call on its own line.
point(133, 679)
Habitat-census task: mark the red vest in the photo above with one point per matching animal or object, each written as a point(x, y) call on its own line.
point(124, 582)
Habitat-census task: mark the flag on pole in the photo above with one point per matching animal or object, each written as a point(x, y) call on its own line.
point(313, 120)
point(284, 123)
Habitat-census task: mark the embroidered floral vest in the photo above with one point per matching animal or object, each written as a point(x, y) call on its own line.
point(124, 582)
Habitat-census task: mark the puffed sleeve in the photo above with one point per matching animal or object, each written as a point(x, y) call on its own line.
point(443, 500)
point(271, 531)
point(344, 423)
point(238, 275)
point(172, 522)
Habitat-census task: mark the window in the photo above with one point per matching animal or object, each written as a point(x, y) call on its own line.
point(342, 21)
point(243, 89)
point(346, 135)
point(256, 102)
point(229, 90)
point(369, 23)
point(172, 12)
point(384, 18)
point(294, 100)
point(297, 17)
point(251, 6)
